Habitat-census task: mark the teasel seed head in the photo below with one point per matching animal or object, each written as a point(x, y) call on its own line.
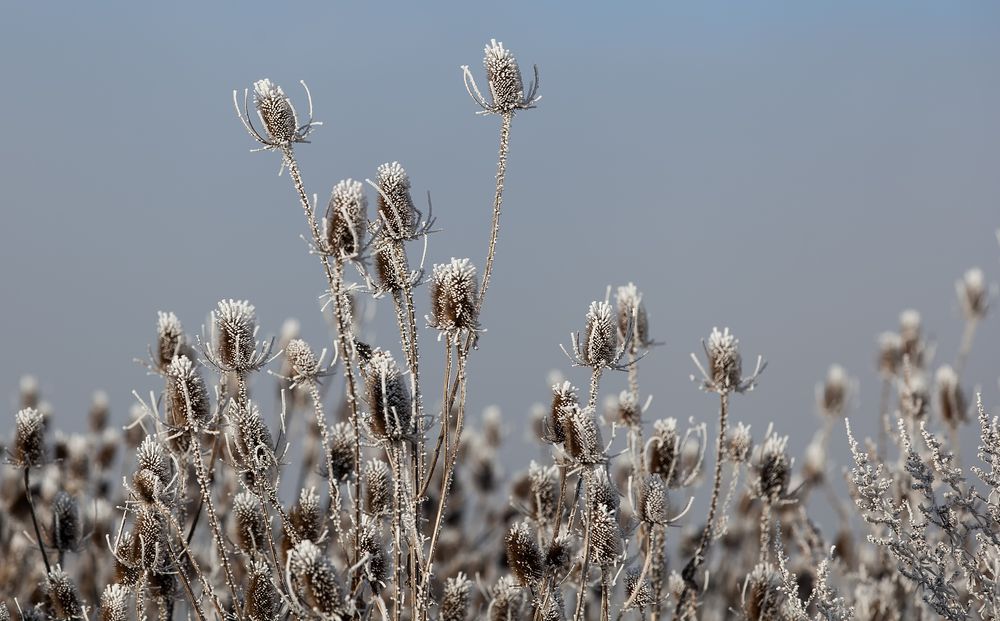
point(302, 360)
point(148, 543)
point(524, 557)
point(114, 603)
point(29, 438)
point(835, 391)
point(739, 444)
point(773, 469)
point(632, 313)
point(725, 363)
point(951, 400)
point(276, 112)
point(67, 528)
point(170, 340)
point(187, 398)
point(252, 441)
point(505, 600)
point(307, 516)
point(544, 491)
point(150, 455)
point(454, 296)
point(600, 336)
point(391, 269)
point(652, 500)
point(378, 487)
point(346, 219)
point(914, 395)
point(341, 457)
point(559, 554)
point(606, 541)
point(972, 294)
point(147, 486)
point(762, 594)
point(554, 608)
point(315, 579)
point(99, 412)
point(263, 600)
point(664, 450)
point(4, 612)
point(564, 399)
point(235, 334)
point(640, 592)
point(388, 398)
point(455, 600)
point(397, 217)
point(601, 490)
point(890, 354)
point(376, 567)
point(583, 440)
point(251, 525)
point(64, 597)
point(627, 410)
point(911, 333)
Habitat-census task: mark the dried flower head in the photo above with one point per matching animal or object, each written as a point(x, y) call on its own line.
point(455, 600)
point(187, 398)
point(147, 487)
point(252, 442)
point(524, 557)
point(341, 457)
point(601, 490)
point(277, 115)
point(738, 444)
point(637, 591)
point(29, 438)
point(376, 564)
point(388, 397)
point(378, 487)
point(64, 597)
point(627, 409)
point(835, 391)
point(950, 398)
point(544, 491)
point(506, 86)
point(890, 354)
point(148, 541)
point(553, 606)
point(910, 331)
point(314, 579)
point(249, 522)
point(99, 412)
point(114, 603)
point(170, 339)
point(454, 296)
point(564, 399)
point(67, 528)
point(725, 365)
point(263, 601)
point(346, 219)
point(914, 395)
point(599, 347)
point(606, 541)
point(559, 553)
point(665, 450)
point(235, 333)
point(772, 469)
point(302, 360)
point(632, 317)
point(397, 214)
point(763, 596)
point(306, 515)
point(150, 455)
point(505, 600)
point(583, 440)
point(652, 500)
point(972, 294)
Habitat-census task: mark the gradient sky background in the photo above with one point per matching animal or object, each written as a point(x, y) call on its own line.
point(800, 172)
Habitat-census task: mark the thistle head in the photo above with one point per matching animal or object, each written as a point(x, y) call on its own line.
point(505, 600)
point(114, 603)
point(148, 540)
point(559, 554)
point(972, 294)
point(723, 372)
point(637, 589)
point(252, 441)
point(524, 557)
point(276, 112)
point(583, 436)
point(306, 515)
point(763, 594)
point(454, 296)
point(29, 438)
point(302, 360)
point(911, 334)
point(397, 215)
point(376, 567)
point(739, 443)
point(388, 397)
point(599, 347)
point(346, 219)
point(627, 410)
point(544, 491)
point(890, 354)
point(455, 600)
point(506, 87)
point(151, 456)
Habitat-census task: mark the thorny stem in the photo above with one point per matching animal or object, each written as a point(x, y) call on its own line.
point(706, 534)
point(497, 202)
point(595, 382)
point(581, 597)
point(213, 517)
point(765, 531)
point(324, 433)
point(34, 521)
point(443, 434)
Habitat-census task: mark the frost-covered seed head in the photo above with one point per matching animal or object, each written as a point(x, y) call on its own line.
point(554, 606)
point(250, 523)
point(4, 612)
point(632, 312)
point(605, 537)
point(454, 296)
point(951, 400)
point(835, 391)
point(114, 603)
point(652, 500)
point(307, 516)
point(341, 457)
point(263, 601)
point(505, 602)
point(153, 457)
point(148, 544)
point(276, 112)
point(395, 205)
point(638, 591)
point(317, 579)
point(600, 341)
point(147, 486)
point(972, 294)
point(601, 490)
point(67, 528)
point(378, 487)
point(628, 410)
point(254, 446)
point(504, 77)
point(236, 329)
point(772, 469)
point(388, 397)
point(455, 601)
point(762, 594)
point(99, 412)
point(524, 557)
point(914, 396)
point(377, 565)
point(664, 450)
point(390, 265)
point(559, 553)
point(890, 353)
point(583, 436)
point(346, 218)
point(301, 359)
point(170, 339)
point(738, 444)
point(64, 597)
point(724, 361)
point(187, 398)
point(564, 400)
point(544, 490)
point(29, 438)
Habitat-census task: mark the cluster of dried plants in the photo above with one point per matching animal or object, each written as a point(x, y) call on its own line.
point(367, 495)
